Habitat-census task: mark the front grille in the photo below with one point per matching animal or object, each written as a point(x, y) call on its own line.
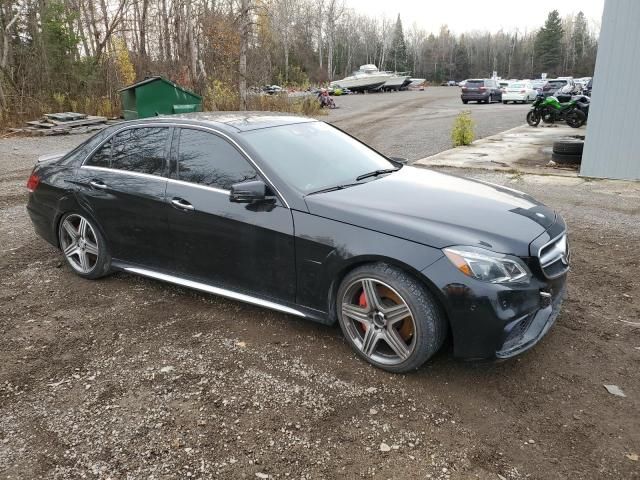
point(554, 257)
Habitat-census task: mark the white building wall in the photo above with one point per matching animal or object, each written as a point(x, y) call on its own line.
point(612, 146)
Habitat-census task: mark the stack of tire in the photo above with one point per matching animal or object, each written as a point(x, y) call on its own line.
point(568, 151)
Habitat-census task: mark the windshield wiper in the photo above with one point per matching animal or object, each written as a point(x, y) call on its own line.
point(375, 173)
point(336, 187)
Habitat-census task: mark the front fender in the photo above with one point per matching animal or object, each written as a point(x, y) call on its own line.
point(327, 249)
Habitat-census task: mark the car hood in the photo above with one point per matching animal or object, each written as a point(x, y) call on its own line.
point(439, 210)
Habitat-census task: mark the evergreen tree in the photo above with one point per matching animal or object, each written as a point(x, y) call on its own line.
point(399, 48)
point(548, 45)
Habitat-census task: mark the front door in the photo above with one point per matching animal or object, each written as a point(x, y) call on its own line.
point(238, 246)
point(123, 186)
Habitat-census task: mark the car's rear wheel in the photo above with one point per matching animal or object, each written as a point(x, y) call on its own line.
point(83, 246)
point(389, 318)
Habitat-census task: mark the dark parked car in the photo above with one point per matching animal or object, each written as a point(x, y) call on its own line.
point(248, 206)
point(588, 87)
point(555, 84)
point(481, 90)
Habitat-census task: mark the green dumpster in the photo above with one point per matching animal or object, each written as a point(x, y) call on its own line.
point(157, 96)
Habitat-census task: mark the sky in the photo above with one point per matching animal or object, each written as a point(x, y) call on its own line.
point(481, 15)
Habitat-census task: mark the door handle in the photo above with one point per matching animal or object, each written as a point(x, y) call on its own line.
point(98, 184)
point(182, 204)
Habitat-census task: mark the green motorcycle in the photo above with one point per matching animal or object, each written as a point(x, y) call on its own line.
point(550, 110)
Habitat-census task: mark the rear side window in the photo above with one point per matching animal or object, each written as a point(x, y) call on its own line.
point(78, 154)
point(102, 157)
point(207, 159)
point(140, 150)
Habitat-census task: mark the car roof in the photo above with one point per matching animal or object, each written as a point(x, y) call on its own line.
point(233, 121)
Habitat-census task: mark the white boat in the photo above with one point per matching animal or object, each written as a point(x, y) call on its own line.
point(367, 77)
point(397, 81)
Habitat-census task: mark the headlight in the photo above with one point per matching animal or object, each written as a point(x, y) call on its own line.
point(488, 266)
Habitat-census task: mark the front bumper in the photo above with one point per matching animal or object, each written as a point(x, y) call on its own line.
point(525, 332)
point(490, 321)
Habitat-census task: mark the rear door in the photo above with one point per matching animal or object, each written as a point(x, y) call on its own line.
point(123, 185)
point(242, 246)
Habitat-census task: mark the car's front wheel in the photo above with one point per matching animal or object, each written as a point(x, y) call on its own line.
point(83, 246)
point(389, 318)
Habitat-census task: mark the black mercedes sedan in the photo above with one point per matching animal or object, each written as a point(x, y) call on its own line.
point(293, 214)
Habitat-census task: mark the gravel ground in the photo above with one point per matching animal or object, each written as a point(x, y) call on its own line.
point(414, 124)
point(131, 378)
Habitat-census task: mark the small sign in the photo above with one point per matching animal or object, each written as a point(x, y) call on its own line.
point(543, 76)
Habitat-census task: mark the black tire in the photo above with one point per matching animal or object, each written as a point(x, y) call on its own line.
point(102, 265)
point(465, 101)
point(429, 320)
point(566, 159)
point(533, 118)
point(504, 102)
point(575, 118)
point(568, 147)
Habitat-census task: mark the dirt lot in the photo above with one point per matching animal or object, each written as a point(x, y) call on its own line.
point(132, 378)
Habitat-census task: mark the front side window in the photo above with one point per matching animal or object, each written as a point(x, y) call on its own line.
point(207, 159)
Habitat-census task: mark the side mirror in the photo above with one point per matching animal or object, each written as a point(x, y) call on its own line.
point(248, 192)
point(400, 160)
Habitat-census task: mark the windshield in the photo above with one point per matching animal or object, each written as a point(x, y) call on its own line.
point(557, 83)
point(313, 156)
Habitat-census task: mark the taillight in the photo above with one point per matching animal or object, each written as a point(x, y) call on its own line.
point(523, 91)
point(483, 88)
point(33, 182)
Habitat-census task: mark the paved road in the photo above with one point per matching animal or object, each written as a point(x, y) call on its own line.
point(418, 124)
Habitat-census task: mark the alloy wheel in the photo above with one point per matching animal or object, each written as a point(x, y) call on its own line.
point(79, 243)
point(378, 321)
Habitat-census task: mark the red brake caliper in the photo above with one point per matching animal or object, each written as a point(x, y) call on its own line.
point(362, 302)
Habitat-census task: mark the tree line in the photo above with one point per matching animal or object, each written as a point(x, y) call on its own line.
point(76, 54)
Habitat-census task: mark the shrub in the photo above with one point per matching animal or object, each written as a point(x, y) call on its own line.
point(224, 97)
point(221, 96)
point(462, 133)
point(59, 99)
